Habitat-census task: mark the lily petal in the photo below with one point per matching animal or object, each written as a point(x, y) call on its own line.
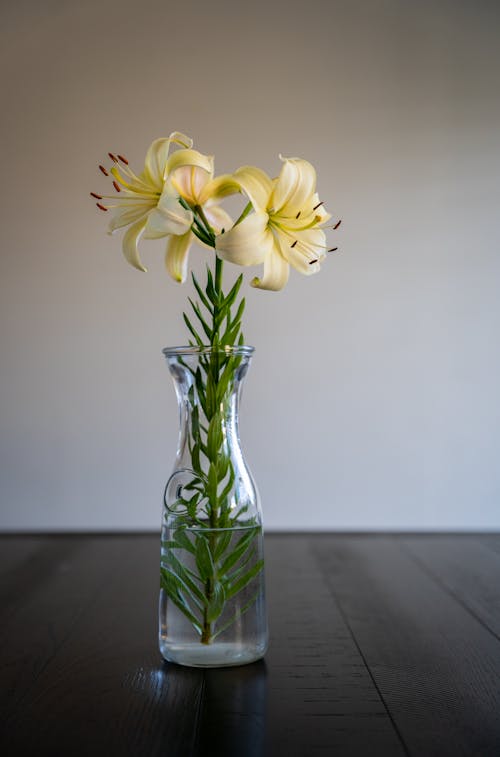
point(156, 159)
point(248, 243)
point(315, 241)
point(218, 218)
point(181, 139)
point(129, 245)
point(169, 217)
point(295, 187)
point(301, 258)
point(218, 188)
point(189, 182)
point(157, 156)
point(128, 214)
point(181, 158)
point(176, 258)
point(256, 185)
point(320, 211)
point(276, 270)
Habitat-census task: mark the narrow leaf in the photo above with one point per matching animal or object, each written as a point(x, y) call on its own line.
point(239, 550)
point(217, 602)
point(192, 330)
point(204, 561)
point(245, 580)
point(201, 295)
point(239, 612)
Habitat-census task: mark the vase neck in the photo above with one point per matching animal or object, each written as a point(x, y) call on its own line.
point(211, 481)
point(208, 387)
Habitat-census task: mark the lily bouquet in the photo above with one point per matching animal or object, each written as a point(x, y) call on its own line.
point(211, 563)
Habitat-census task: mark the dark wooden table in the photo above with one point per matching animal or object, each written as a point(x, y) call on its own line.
point(380, 645)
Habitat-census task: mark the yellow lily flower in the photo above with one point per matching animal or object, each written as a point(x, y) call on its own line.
point(197, 187)
point(148, 203)
point(285, 228)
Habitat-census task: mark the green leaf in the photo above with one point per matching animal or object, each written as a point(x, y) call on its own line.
point(211, 396)
point(239, 312)
point(245, 579)
point(175, 586)
point(206, 328)
point(181, 573)
point(171, 586)
point(210, 290)
point(223, 541)
point(227, 489)
point(231, 297)
point(238, 514)
point(212, 484)
point(227, 375)
point(222, 466)
point(180, 536)
point(201, 295)
point(200, 388)
point(195, 458)
point(230, 579)
point(215, 437)
point(204, 561)
point(216, 603)
point(192, 330)
point(239, 612)
point(238, 550)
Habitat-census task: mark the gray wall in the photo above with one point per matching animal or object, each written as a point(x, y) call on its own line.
point(373, 398)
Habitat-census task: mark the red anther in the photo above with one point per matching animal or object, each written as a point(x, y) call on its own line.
point(318, 205)
point(113, 157)
point(123, 160)
point(101, 207)
point(101, 168)
point(312, 262)
point(332, 249)
point(298, 214)
point(337, 224)
point(117, 186)
point(293, 245)
point(98, 197)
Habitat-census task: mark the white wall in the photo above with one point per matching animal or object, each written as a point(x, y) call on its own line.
point(373, 398)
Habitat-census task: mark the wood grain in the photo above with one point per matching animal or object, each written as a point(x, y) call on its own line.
point(436, 667)
point(380, 645)
point(465, 568)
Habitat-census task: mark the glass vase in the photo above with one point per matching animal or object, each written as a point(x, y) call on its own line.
point(212, 609)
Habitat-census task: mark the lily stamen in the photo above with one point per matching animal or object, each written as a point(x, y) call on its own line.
point(101, 168)
point(298, 215)
point(113, 157)
point(136, 184)
point(318, 205)
point(312, 262)
point(98, 197)
point(293, 245)
point(333, 249)
point(337, 224)
point(117, 186)
point(123, 160)
point(101, 207)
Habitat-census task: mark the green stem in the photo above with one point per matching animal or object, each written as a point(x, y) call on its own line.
point(201, 214)
point(219, 264)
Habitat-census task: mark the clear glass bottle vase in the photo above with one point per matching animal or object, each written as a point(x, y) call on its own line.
point(212, 609)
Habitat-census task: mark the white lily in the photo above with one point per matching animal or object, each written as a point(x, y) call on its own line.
point(148, 203)
point(197, 187)
point(285, 228)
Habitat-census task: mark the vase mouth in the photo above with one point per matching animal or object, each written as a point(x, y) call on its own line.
point(236, 349)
